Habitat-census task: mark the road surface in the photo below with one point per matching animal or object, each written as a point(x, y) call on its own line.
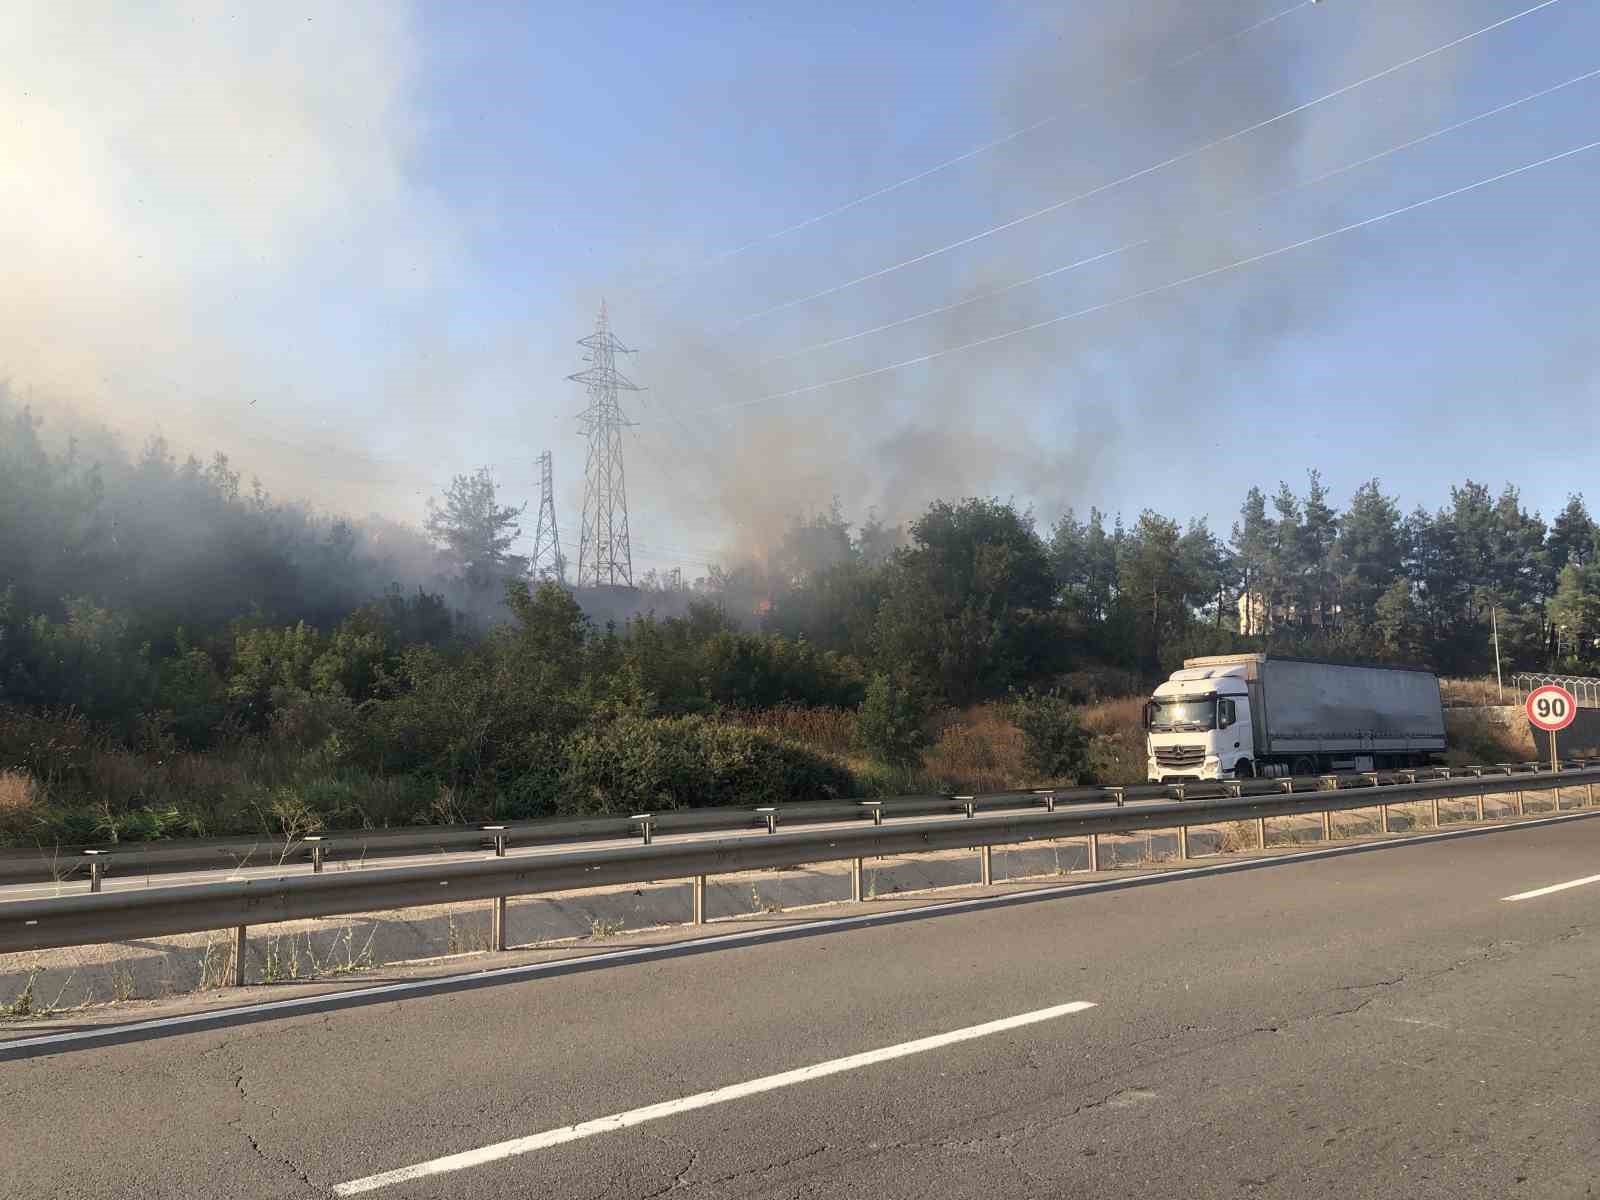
point(1379, 1024)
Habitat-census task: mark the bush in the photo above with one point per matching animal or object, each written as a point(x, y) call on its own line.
point(1055, 744)
point(890, 724)
point(637, 763)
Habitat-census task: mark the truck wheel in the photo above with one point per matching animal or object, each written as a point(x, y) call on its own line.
point(1304, 765)
point(1244, 769)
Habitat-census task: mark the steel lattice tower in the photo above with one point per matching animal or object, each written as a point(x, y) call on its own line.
point(548, 561)
point(604, 555)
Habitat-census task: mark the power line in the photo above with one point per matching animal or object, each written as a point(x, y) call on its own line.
point(1165, 287)
point(1140, 174)
point(1153, 238)
point(968, 155)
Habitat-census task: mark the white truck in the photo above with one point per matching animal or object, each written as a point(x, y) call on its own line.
point(1236, 716)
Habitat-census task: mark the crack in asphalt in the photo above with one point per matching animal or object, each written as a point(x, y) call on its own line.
point(236, 1071)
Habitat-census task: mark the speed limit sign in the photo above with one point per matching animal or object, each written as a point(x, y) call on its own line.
point(1551, 708)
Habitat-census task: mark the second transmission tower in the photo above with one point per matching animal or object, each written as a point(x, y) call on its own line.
point(548, 561)
point(605, 558)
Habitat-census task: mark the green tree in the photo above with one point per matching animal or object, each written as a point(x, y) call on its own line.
point(1575, 609)
point(1155, 585)
point(1055, 744)
point(1252, 542)
point(954, 615)
point(890, 721)
point(1395, 617)
point(476, 532)
point(1370, 553)
point(1572, 536)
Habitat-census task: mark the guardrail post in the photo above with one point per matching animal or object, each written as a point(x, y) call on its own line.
point(1094, 852)
point(986, 866)
point(1480, 806)
point(1589, 794)
point(316, 852)
point(97, 868)
point(1327, 783)
point(1117, 795)
point(1383, 818)
point(646, 823)
point(1557, 808)
point(1048, 795)
point(857, 891)
point(771, 815)
point(876, 808)
point(236, 971)
point(1519, 802)
point(1436, 812)
point(1261, 832)
point(968, 803)
point(497, 907)
point(698, 893)
point(1183, 841)
point(497, 924)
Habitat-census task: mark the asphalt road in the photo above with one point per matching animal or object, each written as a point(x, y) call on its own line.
point(1372, 1025)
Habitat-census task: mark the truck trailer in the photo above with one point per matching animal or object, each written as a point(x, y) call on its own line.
point(1237, 716)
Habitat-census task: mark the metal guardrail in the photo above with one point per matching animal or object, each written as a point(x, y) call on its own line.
point(93, 918)
point(57, 864)
point(54, 864)
point(1585, 690)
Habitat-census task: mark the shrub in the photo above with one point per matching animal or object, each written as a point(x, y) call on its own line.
point(1055, 744)
point(891, 720)
point(638, 763)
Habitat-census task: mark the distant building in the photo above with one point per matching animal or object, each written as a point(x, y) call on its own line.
point(1257, 617)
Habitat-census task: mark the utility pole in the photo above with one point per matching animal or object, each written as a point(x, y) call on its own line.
point(1494, 624)
point(548, 561)
point(605, 558)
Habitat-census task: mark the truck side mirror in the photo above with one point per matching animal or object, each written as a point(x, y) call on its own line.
point(1149, 712)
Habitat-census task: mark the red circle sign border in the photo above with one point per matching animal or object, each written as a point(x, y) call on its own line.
point(1572, 707)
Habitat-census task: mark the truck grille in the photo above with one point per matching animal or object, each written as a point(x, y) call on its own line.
point(1180, 757)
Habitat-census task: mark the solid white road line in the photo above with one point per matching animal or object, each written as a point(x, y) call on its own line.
point(669, 1108)
point(1554, 887)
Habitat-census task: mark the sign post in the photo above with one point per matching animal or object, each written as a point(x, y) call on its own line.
point(1551, 708)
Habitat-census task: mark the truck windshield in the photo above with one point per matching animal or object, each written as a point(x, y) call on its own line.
point(1183, 714)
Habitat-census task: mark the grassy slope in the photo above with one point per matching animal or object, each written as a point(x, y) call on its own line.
point(269, 787)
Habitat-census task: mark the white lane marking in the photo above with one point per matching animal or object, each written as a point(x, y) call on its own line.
point(1554, 887)
point(669, 1108)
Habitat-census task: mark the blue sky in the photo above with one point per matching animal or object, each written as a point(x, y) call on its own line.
point(376, 234)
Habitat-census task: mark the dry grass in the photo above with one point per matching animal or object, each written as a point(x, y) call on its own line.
point(1477, 737)
point(829, 730)
point(1471, 693)
point(1117, 752)
point(976, 750)
point(17, 792)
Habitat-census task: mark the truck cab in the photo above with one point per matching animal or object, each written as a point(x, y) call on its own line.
point(1198, 725)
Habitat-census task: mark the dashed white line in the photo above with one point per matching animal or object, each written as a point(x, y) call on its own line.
point(1554, 887)
point(669, 1108)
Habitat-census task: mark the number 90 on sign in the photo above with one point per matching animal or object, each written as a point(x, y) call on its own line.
point(1551, 708)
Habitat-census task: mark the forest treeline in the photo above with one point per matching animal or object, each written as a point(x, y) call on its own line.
point(162, 607)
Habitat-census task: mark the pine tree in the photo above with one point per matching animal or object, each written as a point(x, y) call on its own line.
point(1252, 544)
point(1369, 553)
point(476, 532)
